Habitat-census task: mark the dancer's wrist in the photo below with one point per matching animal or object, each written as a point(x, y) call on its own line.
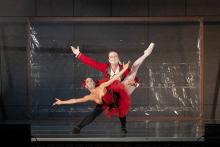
point(77, 54)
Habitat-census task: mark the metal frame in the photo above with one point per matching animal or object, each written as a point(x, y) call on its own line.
point(120, 139)
point(28, 84)
point(200, 20)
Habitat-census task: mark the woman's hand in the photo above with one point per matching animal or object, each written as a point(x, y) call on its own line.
point(125, 66)
point(57, 102)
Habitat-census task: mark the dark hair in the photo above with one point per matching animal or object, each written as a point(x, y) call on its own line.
point(83, 84)
point(112, 52)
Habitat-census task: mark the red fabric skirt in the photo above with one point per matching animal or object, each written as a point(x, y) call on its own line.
point(123, 103)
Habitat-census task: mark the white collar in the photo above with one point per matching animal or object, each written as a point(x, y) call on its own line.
point(112, 73)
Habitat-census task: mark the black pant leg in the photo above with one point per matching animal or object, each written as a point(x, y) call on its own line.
point(91, 117)
point(116, 98)
point(123, 121)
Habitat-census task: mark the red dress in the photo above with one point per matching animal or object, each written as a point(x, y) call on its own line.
point(123, 103)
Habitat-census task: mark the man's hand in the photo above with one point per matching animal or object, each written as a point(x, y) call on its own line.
point(132, 83)
point(75, 50)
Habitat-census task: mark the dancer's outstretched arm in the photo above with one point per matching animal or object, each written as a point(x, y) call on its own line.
point(88, 61)
point(73, 100)
point(106, 84)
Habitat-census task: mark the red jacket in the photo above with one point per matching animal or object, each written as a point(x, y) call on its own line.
point(103, 67)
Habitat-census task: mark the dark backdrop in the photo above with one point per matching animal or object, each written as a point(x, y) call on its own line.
point(13, 65)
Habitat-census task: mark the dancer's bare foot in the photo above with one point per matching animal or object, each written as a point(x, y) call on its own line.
point(149, 49)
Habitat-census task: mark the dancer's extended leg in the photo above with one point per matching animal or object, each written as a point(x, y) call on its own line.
point(88, 119)
point(135, 67)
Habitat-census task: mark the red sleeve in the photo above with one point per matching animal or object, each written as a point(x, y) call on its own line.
point(92, 63)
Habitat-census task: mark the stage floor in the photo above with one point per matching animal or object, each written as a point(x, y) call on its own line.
point(109, 130)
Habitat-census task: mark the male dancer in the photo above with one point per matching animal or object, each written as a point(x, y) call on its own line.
point(109, 70)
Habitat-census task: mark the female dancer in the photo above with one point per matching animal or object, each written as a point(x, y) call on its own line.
point(102, 95)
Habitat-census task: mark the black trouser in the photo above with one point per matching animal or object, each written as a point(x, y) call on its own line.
point(96, 112)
